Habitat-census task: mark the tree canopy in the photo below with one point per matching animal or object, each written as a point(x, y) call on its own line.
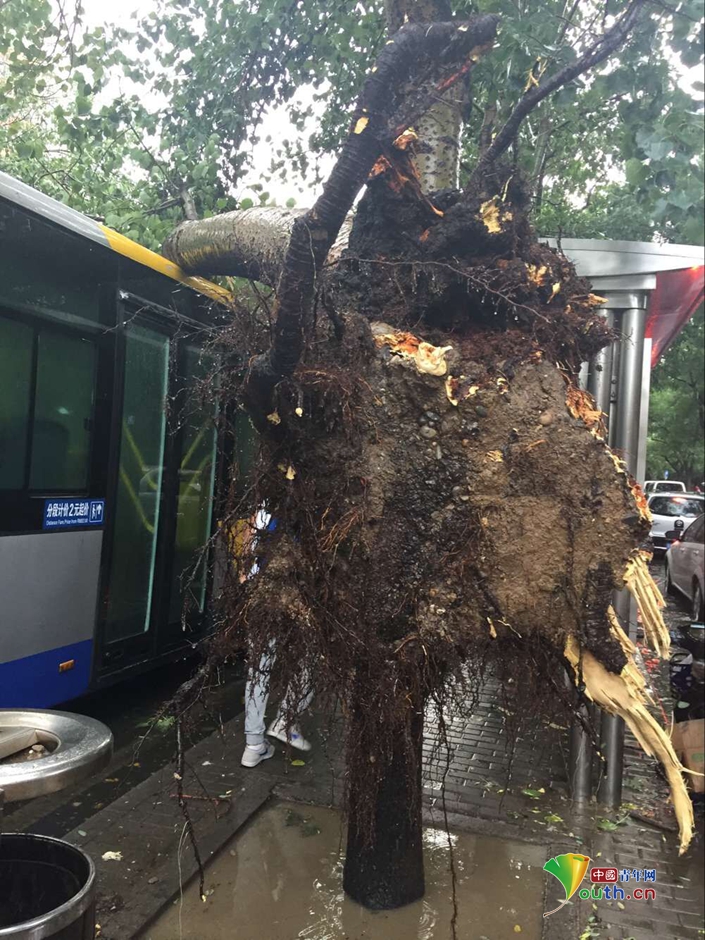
point(147, 125)
point(677, 408)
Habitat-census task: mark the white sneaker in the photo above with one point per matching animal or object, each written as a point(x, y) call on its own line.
point(278, 730)
point(255, 754)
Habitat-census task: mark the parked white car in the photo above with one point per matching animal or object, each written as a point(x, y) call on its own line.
point(663, 486)
point(685, 567)
point(672, 512)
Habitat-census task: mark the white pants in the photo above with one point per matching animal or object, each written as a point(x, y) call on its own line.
point(257, 694)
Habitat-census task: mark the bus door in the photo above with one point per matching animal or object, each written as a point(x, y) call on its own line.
point(194, 457)
point(155, 570)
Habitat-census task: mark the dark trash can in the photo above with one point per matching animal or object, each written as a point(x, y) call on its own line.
point(47, 889)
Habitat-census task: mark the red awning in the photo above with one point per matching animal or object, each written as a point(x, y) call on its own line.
point(677, 296)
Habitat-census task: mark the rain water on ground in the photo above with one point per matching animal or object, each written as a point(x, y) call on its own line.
point(280, 879)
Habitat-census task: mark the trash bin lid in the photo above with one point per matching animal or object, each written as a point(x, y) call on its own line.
point(44, 751)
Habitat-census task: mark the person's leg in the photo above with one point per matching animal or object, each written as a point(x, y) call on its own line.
point(297, 699)
point(256, 695)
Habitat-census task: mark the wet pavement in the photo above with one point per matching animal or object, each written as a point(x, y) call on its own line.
point(281, 879)
point(143, 743)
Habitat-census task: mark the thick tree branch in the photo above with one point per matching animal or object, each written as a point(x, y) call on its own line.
point(413, 49)
point(601, 49)
point(249, 243)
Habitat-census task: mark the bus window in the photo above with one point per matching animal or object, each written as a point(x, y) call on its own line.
point(16, 342)
point(47, 381)
point(62, 413)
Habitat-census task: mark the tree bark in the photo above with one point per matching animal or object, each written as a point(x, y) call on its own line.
point(384, 868)
point(439, 130)
point(438, 162)
point(247, 243)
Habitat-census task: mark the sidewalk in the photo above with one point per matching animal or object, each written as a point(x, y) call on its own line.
point(517, 793)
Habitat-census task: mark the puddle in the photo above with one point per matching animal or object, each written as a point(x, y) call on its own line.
point(280, 879)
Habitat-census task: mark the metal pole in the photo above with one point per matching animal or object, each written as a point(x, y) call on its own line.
point(644, 413)
point(626, 442)
point(630, 372)
point(614, 383)
point(580, 761)
point(580, 755)
point(601, 372)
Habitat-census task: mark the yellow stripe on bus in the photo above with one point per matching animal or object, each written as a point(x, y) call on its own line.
point(129, 249)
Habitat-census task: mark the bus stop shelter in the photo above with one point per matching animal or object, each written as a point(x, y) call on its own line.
point(651, 291)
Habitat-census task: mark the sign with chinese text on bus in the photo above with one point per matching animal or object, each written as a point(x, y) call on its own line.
point(67, 513)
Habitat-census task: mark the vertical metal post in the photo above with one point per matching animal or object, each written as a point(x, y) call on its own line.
point(580, 762)
point(600, 381)
point(644, 412)
point(613, 389)
point(626, 441)
point(630, 372)
point(580, 755)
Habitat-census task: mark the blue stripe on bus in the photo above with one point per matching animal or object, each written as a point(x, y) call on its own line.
point(35, 681)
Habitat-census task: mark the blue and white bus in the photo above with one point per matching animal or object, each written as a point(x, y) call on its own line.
point(107, 461)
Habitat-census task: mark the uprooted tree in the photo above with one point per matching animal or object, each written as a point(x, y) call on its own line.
point(443, 490)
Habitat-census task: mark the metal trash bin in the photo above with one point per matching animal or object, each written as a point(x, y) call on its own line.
point(47, 886)
point(47, 889)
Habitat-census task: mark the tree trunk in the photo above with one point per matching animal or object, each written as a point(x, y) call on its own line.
point(384, 860)
point(439, 129)
point(247, 243)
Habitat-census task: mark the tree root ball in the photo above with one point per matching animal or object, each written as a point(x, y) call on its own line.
point(469, 515)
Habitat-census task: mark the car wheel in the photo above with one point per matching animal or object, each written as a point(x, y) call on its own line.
point(698, 612)
point(669, 584)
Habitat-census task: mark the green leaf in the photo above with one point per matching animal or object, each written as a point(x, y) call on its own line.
point(636, 172)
